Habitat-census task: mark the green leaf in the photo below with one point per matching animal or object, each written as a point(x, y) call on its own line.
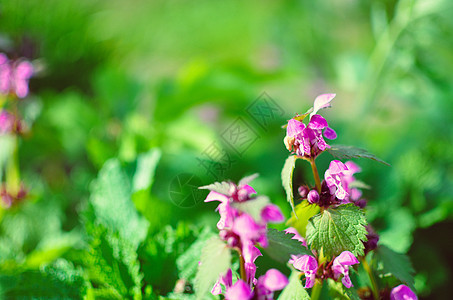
point(247, 179)
point(253, 207)
point(223, 187)
point(59, 280)
point(281, 245)
point(113, 207)
point(294, 289)
point(304, 211)
point(348, 152)
point(146, 166)
point(287, 178)
point(187, 263)
point(337, 230)
point(396, 263)
point(112, 263)
point(215, 261)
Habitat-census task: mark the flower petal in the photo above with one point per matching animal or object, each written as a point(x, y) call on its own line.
point(294, 128)
point(317, 122)
point(272, 213)
point(306, 263)
point(273, 280)
point(214, 196)
point(247, 229)
point(296, 236)
point(402, 292)
point(330, 133)
point(239, 291)
point(322, 101)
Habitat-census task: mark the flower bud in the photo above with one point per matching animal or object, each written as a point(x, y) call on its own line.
point(313, 197)
point(303, 191)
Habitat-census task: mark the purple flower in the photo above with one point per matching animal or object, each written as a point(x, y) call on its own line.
point(14, 76)
point(402, 292)
point(272, 214)
point(313, 196)
point(307, 264)
point(270, 282)
point(308, 140)
point(341, 265)
point(348, 178)
point(333, 178)
point(226, 280)
point(248, 230)
point(239, 291)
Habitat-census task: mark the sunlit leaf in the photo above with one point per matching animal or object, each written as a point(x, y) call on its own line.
point(337, 230)
point(287, 179)
point(304, 212)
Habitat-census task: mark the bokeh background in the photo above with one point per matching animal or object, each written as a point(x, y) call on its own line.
point(118, 79)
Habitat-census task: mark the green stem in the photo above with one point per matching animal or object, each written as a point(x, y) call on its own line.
point(12, 173)
point(374, 287)
point(315, 174)
point(316, 290)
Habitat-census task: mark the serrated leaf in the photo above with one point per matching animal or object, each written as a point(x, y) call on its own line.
point(304, 211)
point(247, 179)
point(281, 245)
point(146, 166)
point(253, 207)
point(223, 187)
point(113, 207)
point(294, 289)
point(396, 263)
point(59, 280)
point(337, 230)
point(287, 179)
point(113, 263)
point(348, 152)
point(215, 261)
point(187, 263)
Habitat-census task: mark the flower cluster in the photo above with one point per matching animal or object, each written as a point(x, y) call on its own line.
point(14, 76)
point(242, 232)
point(338, 186)
point(308, 140)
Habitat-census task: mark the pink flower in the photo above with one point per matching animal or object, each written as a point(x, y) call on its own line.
point(239, 291)
point(14, 76)
point(402, 292)
point(307, 264)
point(341, 267)
point(333, 178)
point(270, 282)
point(226, 280)
point(308, 140)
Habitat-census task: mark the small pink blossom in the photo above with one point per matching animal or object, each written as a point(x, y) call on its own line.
point(309, 265)
point(402, 292)
point(341, 267)
point(14, 76)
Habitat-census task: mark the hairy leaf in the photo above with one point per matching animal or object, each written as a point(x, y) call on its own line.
point(187, 263)
point(223, 187)
point(294, 289)
point(247, 179)
point(396, 263)
point(304, 211)
point(348, 152)
point(337, 230)
point(113, 207)
point(146, 166)
point(287, 178)
point(113, 263)
point(253, 207)
point(281, 245)
point(215, 261)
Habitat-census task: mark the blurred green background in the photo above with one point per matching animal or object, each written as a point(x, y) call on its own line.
point(121, 78)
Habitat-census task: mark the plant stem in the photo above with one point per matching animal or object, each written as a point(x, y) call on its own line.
point(316, 290)
point(374, 287)
point(242, 266)
point(315, 175)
